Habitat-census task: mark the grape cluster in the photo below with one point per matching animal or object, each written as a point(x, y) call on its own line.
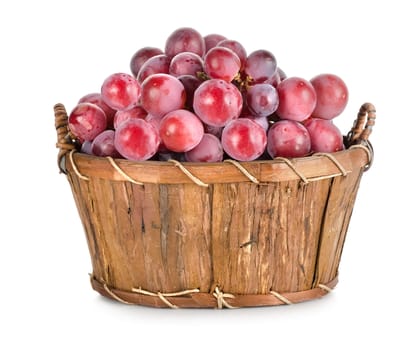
point(205, 99)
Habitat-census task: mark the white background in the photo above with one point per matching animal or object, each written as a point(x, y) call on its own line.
point(58, 51)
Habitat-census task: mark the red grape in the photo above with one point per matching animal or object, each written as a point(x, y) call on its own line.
point(134, 112)
point(243, 139)
point(288, 138)
point(332, 96)
point(86, 121)
point(161, 94)
point(260, 66)
point(262, 100)
point(237, 48)
point(96, 98)
point(154, 65)
point(136, 139)
point(103, 145)
point(141, 56)
point(121, 91)
point(324, 135)
point(185, 40)
point(217, 102)
point(208, 150)
point(297, 99)
point(211, 40)
point(186, 63)
point(181, 130)
point(221, 63)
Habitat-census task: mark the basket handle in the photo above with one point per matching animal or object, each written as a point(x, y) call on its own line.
point(64, 139)
point(363, 124)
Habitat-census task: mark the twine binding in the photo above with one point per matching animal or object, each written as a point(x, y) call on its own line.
point(219, 295)
point(163, 296)
point(324, 287)
point(243, 170)
point(73, 164)
point(281, 297)
point(334, 161)
point(188, 173)
point(123, 173)
point(293, 168)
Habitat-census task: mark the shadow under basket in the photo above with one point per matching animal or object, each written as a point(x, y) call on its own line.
point(214, 235)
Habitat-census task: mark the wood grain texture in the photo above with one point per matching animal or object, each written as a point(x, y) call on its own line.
point(243, 238)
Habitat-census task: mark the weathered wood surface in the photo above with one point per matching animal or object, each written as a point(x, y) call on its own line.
point(244, 238)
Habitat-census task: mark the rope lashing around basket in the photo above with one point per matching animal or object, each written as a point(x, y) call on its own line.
point(163, 296)
point(219, 295)
point(113, 295)
point(368, 151)
point(76, 170)
point(109, 291)
point(188, 173)
point(293, 168)
point(243, 170)
point(324, 287)
point(342, 170)
point(281, 297)
point(122, 173)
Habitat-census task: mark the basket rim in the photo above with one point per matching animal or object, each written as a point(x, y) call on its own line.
point(307, 169)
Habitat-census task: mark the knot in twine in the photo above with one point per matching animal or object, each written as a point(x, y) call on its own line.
point(219, 295)
point(163, 296)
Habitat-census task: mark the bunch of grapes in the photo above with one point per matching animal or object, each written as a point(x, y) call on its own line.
point(205, 99)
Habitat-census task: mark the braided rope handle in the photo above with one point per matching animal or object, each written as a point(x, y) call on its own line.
point(64, 139)
point(363, 124)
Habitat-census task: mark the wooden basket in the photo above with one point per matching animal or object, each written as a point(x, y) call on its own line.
point(213, 235)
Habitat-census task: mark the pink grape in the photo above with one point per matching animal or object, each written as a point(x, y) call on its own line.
point(190, 83)
point(141, 56)
point(260, 66)
point(237, 48)
point(211, 40)
point(262, 99)
point(103, 145)
point(297, 99)
point(134, 112)
point(217, 102)
point(136, 140)
point(154, 65)
point(86, 121)
point(324, 135)
point(186, 63)
point(243, 139)
point(96, 98)
point(161, 94)
point(121, 91)
point(288, 138)
point(185, 40)
point(181, 130)
point(208, 150)
point(221, 63)
point(332, 96)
